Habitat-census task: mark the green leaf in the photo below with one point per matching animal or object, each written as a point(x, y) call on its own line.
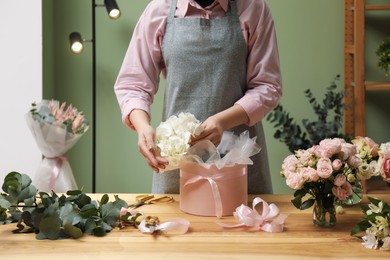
point(4, 203)
point(27, 193)
point(110, 213)
point(69, 214)
point(373, 200)
point(104, 200)
point(74, 192)
point(88, 211)
point(297, 201)
point(25, 181)
point(307, 204)
point(99, 231)
point(72, 231)
point(51, 227)
point(360, 227)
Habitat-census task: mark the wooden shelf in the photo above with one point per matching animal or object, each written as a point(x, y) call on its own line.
point(372, 85)
point(377, 7)
point(355, 84)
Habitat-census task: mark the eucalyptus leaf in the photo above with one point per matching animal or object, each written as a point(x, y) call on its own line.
point(72, 231)
point(99, 231)
point(51, 227)
point(88, 211)
point(25, 181)
point(27, 193)
point(4, 203)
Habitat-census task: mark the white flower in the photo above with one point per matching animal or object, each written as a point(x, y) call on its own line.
point(374, 168)
point(370, 241)
point(374, 208)
point(386, 243)
point(339, 209)
point(383, 226)
point(385, 147)
point(173, 136)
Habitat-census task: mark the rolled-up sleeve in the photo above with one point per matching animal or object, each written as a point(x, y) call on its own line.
point(139, 75)
point(264, 88)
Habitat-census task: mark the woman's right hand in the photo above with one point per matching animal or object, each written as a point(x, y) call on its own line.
point(146, 137)
point(146, 147)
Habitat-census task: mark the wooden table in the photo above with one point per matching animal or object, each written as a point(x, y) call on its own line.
point(205, 239)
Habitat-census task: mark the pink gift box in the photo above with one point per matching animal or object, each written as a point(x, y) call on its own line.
point(213, 191)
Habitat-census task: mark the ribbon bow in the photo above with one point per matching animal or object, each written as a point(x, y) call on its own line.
point(176, 225)
point(270, 220)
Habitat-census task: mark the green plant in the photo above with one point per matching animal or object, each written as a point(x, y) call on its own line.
point(326, 126)
point(56, 217)
point(383, 53)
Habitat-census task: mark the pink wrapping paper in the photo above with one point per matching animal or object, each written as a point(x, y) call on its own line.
point(213, 191)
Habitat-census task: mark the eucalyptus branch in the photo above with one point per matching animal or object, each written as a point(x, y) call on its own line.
point(54, 216)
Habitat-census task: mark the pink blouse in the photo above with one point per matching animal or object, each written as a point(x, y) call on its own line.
point(139, 76)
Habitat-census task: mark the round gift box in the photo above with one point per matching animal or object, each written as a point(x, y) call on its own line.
point(213, 191)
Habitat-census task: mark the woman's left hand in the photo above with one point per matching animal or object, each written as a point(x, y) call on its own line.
point(212, 130)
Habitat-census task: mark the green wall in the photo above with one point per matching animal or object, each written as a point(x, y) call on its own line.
point(310, 36)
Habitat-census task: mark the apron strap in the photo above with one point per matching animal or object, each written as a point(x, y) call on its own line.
point(172, 11)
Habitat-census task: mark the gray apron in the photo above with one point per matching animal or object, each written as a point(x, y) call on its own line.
point(206, 73)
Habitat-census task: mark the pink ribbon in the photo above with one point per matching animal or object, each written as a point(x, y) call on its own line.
point(176, 225)
point(214, 187)
point(270, 220)
point(56, 170)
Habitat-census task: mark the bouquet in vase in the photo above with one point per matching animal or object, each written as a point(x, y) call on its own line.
point(56, 128)
point(327, 173)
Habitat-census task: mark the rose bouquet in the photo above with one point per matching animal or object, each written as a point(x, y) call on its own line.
point(327, 172)
point(56, 128)
point(376, 225)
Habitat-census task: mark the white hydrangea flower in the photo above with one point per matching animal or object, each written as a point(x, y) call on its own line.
point(173, 137)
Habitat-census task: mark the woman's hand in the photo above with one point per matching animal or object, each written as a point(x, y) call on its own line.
point(212, 130)
point(146, 137)
point(215, 125)
point(145, 144)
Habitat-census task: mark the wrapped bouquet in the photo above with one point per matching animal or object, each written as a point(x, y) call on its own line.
point(56, 129)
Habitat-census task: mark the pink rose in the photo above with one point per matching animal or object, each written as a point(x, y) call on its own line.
point(386, 168)
point(289, 165)
point(324, 168)
point(374, 146)
point(310, 174)
point(354, 161)
point(340, 180)
point(343, 192)
point(336, 164)
point(305, 157)
point(295, 181)
point(330, 147)
point(347, 150)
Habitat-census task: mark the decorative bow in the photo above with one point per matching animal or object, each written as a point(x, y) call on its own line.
point(270, 220)
point(176, 225)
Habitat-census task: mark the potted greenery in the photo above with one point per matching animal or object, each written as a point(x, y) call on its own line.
point(327, 125)
point(383, 53)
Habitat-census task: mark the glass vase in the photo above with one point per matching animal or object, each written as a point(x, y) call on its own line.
point(324, 212)
point(356, 196)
